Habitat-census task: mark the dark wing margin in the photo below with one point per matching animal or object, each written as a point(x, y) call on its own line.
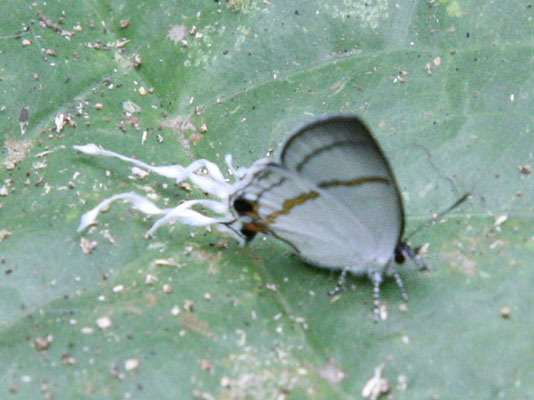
point(340, 155)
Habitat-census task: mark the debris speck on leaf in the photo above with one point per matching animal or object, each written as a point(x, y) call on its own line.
point(87, 245)
point(24, 117)
point(188, 250)
point(185, 186)
point(180, 125)
point(118, 288)
point(130, 107)
point(150, 279)
point(67, 359)
point(17, 150)
point(40, 164)
point(335, 298)
point(107, 235)
point(376, 386)
point(195, 138)
point(188, 305)
point(469, 266)
point(131, 363)
point(421, 250)
point(47, 22)
point(43, 153)
point(4, 234)
point(167, 262)
point(63, 119)
point(495, 244)
point(177, 33)
point(137, 60)
point(206, 365)
point(167, 288)
point(331, 372)
point(118, 43)
point(225, 382)
point(524, 169)
point(103, 322)
point(500, 220)
point(383, 311)
point(43, 343)
point(402, 383)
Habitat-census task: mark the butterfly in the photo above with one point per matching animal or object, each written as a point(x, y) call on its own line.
point(331, 196)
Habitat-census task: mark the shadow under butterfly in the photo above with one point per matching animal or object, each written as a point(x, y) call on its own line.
point(332, 197)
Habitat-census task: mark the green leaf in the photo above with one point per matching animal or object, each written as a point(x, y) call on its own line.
point(446, 86)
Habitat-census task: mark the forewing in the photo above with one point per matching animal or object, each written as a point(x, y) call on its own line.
point(340, 156)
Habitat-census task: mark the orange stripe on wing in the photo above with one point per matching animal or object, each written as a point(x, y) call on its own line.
point(353, 182)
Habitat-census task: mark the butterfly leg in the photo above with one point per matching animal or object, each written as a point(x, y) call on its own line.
point(400, 284)
point(340, 283)
point(377, 280)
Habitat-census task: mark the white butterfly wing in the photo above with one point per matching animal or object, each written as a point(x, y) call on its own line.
point(320, 228)
point(340, 156)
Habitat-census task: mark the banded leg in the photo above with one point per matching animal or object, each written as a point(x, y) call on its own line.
point(377, 280)
point(340, 283)
point(400, 284)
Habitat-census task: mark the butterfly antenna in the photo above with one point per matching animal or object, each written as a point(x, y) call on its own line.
point(438, 216)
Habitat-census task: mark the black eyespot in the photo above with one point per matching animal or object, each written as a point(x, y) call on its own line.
point(249, 235)
point(243, 206)
point(399, 255)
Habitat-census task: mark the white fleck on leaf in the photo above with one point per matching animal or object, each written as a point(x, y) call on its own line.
point(60, 121)
point(87, 245)
point(500, 220)
point(131, 363)
point(331, 372)
point(130, 107)
point(177, 33)
point(376, 386)
point(103, 322)
point(118, 288)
